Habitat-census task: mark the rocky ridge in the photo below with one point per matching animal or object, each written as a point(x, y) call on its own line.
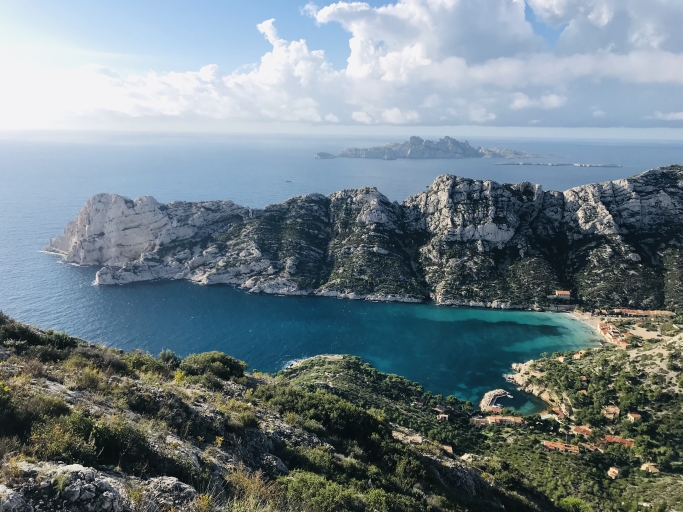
point(461, 242)
point(419, 148)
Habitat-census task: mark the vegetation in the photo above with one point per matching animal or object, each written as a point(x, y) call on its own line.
point(347, 437)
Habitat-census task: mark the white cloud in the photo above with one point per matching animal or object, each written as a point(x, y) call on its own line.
point(549, 101)
point(361, 117)
point(412, 61)
point(671, 116)
point(395, 116)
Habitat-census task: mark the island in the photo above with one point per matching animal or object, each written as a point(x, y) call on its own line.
point(462, 242)
point(419, 148)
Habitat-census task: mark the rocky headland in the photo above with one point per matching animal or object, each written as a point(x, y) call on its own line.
point(461, 242)
point(419, 148)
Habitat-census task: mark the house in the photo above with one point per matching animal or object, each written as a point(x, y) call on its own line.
point(504, 420)
point(560, 447)
point(633, 417)
point(418, 404)
point(628, 443)
point(592, 447)
point(448, 448)
point(611, 412)
point(559, 413)
point(582, 430)
point(579, 354)
point(561, 359)
point(563, 294)
point(442, 417)
point(614, 473)
point(495, 409)
point(649, 467)
point(480, 422)
point(440, 409)
point(583, 392)
point(584, 378)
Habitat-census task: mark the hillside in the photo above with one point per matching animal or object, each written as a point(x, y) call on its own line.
point(85, 427)
point(461, 242)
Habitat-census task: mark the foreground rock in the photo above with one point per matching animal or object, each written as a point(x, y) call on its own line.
point(461, 242)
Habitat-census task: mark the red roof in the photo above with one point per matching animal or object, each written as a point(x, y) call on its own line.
point(619, 440)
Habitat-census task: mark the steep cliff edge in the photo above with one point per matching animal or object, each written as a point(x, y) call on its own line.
point(461, 242)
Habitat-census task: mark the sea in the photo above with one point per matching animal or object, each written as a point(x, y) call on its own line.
point(44, 181)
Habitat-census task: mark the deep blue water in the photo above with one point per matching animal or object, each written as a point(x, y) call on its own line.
point(461, 351)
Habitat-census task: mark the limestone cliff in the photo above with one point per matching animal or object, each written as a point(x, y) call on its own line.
point(461, 242)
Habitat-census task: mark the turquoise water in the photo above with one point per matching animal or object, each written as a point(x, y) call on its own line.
point(460, 351)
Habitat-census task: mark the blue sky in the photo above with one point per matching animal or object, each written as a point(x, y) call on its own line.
point(555, 63)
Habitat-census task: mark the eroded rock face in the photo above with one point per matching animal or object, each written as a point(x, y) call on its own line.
point(461, 242)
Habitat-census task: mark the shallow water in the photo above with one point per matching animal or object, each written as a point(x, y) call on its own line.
point(448, 350)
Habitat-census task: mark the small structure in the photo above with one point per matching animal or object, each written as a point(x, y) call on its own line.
point(448, 448)
point(480, 422)
point(633, 417)
point(563, 294)
point(579, 354)
point(611, 412)
point(418, 404)
point(495, 409)
point(504, 420)
point(628, 443)
point(561, 359)
point(560, 447)
point(582, 430)
point(583, 392)
point(614, 473)
point(650, 467)
point(592, 447)
point(440, 409)
point(442, 417)
point(644, 312)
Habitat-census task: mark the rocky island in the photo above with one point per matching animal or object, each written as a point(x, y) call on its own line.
point(461, 242)
point(419, 148)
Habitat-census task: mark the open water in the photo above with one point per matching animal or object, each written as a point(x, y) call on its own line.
point(459, 351)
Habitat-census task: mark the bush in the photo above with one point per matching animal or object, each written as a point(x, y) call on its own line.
point(216, 363)
point(575, 505)
point(4, 319)
point(144, 362)
point(58, 340)
point(248, 419)
point(102, 358)
point(88, 379)
point(313, 493)
point(170, 359)
point(47, 354)
point(20, 332)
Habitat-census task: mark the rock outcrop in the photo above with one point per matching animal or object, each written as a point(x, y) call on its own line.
point(461, 242)
point(419, 148)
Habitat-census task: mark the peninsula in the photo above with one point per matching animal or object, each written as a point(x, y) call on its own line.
point(419, 148)
point(461, 242)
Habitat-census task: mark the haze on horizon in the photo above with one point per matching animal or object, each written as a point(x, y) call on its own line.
point(279, 66)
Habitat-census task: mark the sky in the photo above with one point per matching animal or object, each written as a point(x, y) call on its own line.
point(229, 65)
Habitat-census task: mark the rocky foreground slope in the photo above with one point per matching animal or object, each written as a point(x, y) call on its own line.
point(89, 428)
point(461, 242)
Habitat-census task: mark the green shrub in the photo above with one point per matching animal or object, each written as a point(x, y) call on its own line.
point(103, 358)
point(58, 340)
point(20, 332)
point(4, 319)
point(88, 379)
point(170, 359)
point(248, 419)
point(575, 505)
point(67, 438)
point(216, 363)
point(47, 354)
point(139, 361)
point(313, 493)
point(41, 406)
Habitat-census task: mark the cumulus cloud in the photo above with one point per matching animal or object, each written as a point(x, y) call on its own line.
point(412, 61)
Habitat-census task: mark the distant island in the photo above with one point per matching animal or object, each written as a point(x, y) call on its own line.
point(420, 148)
point(549, 164)
point(462, 242)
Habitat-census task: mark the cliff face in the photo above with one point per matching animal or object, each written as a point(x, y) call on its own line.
point(461, 242)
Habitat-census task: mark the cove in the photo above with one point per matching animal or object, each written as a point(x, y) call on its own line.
point(460, 351)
